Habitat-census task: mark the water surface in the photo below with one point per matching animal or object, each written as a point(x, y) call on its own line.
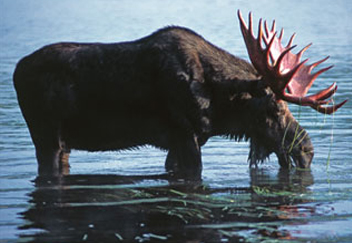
point(123, 195)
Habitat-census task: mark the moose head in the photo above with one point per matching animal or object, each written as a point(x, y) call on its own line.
point(288, 79)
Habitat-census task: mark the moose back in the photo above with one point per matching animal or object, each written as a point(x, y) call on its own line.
point(172, 90)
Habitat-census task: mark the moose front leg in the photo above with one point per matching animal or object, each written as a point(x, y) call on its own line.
point(171, 162)
point(184, 159)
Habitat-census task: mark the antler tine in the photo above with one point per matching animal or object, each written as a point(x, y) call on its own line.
point(243, 25)
point(315, 75)
point(325, 93)
point(273, 27)
point(329, 109)
point(291, 40)
point(266, 28)
point(320, 61)
point(300, 53)
point(281, 34)
point(268, 32)
point(250, 25)
point(260, 33)
point(269, 54)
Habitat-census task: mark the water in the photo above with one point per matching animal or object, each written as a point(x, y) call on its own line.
point(114, 196)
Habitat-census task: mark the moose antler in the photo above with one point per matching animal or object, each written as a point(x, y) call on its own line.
point(282, 70)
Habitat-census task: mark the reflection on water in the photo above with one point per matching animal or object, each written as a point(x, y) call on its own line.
point(104, 208)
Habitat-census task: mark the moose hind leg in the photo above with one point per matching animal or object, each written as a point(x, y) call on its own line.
point(52, 160)
point(50, 150)
point(64, 165)
point(48, 160)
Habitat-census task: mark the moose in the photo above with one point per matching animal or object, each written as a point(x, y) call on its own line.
point(173, 90)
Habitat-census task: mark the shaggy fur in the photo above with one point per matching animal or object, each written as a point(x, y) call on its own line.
point(172, 90)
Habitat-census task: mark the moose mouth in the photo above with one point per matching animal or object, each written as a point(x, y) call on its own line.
point(298, 158)
point(304, 159)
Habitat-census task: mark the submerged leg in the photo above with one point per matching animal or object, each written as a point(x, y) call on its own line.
point(63, 163)
point(52, 156)
point(184, 159)
point(171, 162)
point(52, 161)
point(48, 160)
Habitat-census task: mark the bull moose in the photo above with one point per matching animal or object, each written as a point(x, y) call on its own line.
point(172, 90)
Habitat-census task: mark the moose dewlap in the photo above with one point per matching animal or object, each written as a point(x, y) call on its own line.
point(172, 90)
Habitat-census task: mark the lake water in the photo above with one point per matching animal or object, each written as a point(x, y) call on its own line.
point(123, 195)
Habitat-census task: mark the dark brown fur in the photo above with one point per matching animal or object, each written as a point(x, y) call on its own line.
point(172, 90)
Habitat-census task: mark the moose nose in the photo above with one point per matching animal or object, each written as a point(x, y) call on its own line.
point(304, 159)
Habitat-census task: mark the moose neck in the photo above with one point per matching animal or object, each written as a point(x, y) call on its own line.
point(238, 114)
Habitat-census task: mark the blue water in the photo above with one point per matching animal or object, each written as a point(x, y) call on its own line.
point(317, 205)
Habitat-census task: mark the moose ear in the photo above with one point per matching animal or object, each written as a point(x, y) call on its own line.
point(282, 70)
